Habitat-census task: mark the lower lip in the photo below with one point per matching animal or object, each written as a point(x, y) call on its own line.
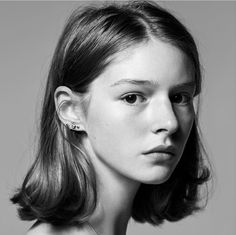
point(160, 157)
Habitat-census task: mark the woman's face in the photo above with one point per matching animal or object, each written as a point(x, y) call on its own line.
point(140, 112)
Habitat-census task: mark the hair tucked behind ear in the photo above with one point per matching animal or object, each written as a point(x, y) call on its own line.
point(60, 187)
point(61, 183)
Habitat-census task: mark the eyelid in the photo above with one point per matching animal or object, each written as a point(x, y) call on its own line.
point(133, 93)
point(185, 94)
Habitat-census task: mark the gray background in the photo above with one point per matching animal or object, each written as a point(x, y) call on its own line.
point(28, 35)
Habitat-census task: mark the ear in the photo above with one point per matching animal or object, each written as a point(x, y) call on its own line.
point(69, 107)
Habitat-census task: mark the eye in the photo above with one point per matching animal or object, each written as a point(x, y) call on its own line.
point(181, 98)
point(133, 99)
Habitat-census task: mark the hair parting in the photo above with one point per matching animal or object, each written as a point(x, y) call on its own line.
point(60, 187)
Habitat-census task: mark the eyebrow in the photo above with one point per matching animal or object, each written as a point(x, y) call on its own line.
point(152, 83)
point(190, 85)
point(135, 82)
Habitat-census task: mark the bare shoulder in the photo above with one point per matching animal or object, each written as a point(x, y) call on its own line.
point(39, 229)
point(47, 229)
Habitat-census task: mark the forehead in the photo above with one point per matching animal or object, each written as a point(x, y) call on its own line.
point(154, 60)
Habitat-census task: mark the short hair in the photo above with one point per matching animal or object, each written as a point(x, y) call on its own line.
point(60, 187)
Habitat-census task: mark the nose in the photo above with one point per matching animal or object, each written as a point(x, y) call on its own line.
point(164, 117)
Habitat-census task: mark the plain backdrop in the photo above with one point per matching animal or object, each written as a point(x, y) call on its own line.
point(28, 35)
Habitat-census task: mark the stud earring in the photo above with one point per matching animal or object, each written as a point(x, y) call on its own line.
point(73, 126)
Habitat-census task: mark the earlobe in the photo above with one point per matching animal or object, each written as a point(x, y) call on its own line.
point(68, 108)
point(74, 126)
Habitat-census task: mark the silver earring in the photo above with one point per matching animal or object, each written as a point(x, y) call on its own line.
point(73, 126)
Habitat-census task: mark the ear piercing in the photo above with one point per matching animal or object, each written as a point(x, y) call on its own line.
point(73, 126)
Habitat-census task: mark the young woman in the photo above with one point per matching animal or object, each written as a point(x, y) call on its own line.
point(119, 135)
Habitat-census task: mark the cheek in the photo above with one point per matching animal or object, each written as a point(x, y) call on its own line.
point(111, 130)
point(185, 118)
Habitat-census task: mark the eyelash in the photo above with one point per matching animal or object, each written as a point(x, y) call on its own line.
point(136, 96)
point(186, 98)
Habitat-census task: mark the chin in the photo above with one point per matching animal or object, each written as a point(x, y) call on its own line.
point(158, 177)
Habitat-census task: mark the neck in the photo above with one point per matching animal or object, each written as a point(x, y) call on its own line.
point(115, 199)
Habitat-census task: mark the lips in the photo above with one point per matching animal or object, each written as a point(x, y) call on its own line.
point(161, 153)
point(162, 149)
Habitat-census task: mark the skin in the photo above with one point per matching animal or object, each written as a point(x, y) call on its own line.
point(144, 99)
point(124, 120)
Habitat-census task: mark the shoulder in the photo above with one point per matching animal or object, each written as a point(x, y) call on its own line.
point(39, 229)
point(47, 229)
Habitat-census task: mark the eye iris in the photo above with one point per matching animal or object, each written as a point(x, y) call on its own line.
point(131, 99)
point(178, 98)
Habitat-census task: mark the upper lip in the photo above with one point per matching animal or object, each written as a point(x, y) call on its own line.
point(162, 149)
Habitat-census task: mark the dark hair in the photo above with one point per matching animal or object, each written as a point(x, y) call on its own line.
point(60, 187)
